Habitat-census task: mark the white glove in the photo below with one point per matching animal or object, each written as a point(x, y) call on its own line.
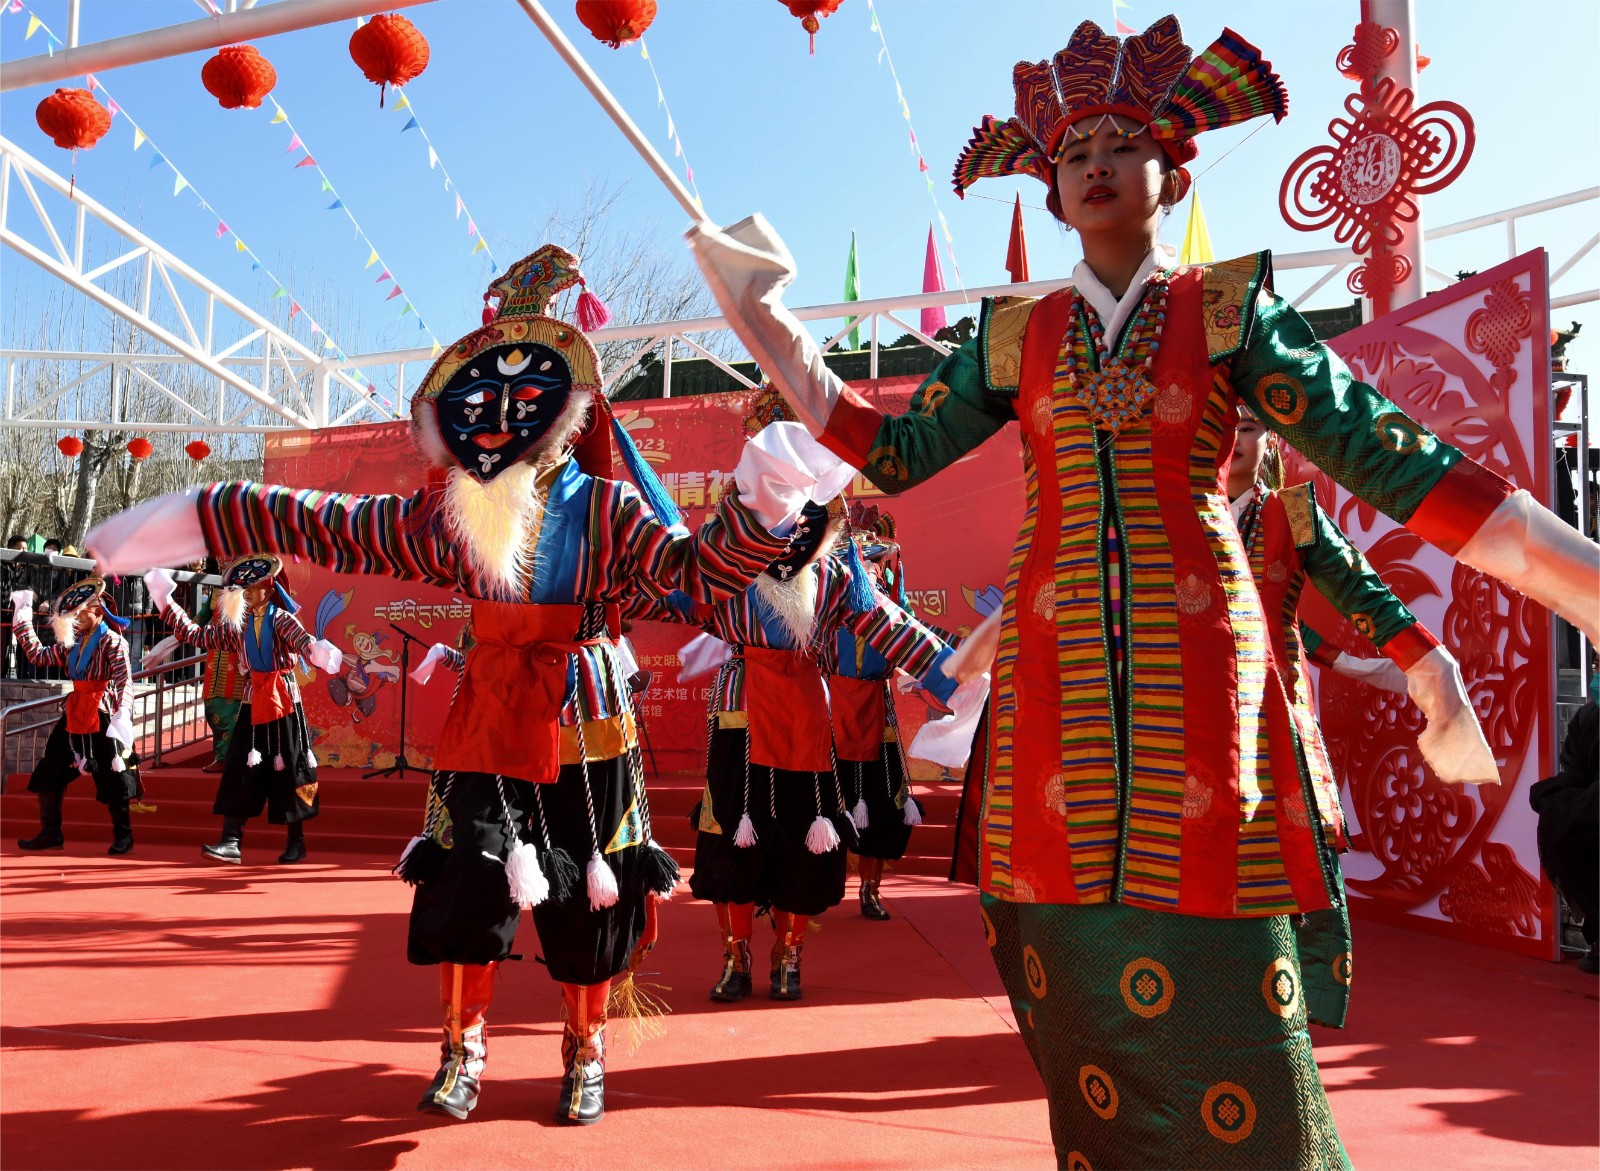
point(1453, 742)
point(120, 729)
point(159, 653)
point(948, 741)
point(166, 529)
point(325, 655)
point(161, 585)
point(423, 671)
point(702, 655)
point(781, 468)
point(1380, 673)
point(22, 605)
point(1533, 551)
point(748, 267)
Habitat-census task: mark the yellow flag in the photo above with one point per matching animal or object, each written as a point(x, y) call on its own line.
point(1196, 240)
point(371, 260)
point(138, 138)
point(480, 246)
point(34, 24)
point(279, 115)
point(402, 103)
point(238, 244)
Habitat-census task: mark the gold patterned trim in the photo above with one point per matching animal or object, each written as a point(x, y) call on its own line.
point(1228, 300)
point(1300, 505)
point(733, 720)
point(1005, 321)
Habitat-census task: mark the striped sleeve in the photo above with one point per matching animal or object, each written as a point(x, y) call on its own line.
point(210, 637)
point(290, 634)
point(118, 673)
point(32, 649)
point(727, 554)
point(344, 532)
point(894, 633)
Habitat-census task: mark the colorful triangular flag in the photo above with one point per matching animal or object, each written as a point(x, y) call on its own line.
point(393, 293)
point(308, 161)
point(411, 124)
point(138, 138)
point(294, 144)
point(371, 260)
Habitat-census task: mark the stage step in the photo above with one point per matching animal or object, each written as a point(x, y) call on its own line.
point(378, 815)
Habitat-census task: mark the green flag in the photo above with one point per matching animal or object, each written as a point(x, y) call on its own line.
point(852, 292)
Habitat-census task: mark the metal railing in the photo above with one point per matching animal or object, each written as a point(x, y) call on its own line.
point(168, 714)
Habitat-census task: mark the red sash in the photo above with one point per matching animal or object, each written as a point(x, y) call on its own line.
point(270, 698)
point(83, 706)
point(859, 717)
point(788, 710)
point(506, 717)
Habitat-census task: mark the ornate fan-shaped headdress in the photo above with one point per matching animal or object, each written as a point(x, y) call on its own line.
point(1152, 78)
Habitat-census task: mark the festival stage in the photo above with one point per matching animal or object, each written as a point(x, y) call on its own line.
point(162, 1012)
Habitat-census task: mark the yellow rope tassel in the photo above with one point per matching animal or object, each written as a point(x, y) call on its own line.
point(636, 1002)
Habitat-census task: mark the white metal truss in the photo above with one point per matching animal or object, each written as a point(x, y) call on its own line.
point(389, 366)
point(254, 376)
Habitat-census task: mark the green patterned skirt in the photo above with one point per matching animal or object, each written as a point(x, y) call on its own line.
point(1175, 1041)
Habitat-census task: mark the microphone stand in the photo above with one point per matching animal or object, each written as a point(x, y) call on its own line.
point(401, 765)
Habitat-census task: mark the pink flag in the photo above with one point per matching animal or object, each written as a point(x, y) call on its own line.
point(393, 293)
point(294, 144)
point(294, 310)
point(308, 161)
point(112, 108)
point(222, 229)
point(383, 276)
point(92, 81)
point(932, 282)
point(1124, 31)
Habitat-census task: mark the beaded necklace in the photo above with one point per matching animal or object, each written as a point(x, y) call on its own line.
point(1115, 390)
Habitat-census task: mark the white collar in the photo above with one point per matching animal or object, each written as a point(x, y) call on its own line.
point(1112, 311)
point(1238, 506)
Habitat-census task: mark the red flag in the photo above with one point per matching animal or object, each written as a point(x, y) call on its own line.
point(932, 282)
point(1017, 249)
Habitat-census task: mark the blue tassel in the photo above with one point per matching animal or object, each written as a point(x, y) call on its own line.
point(900, 585)
point(283, 598)
point(861, 597)
point(116, 620)
point(644, 479)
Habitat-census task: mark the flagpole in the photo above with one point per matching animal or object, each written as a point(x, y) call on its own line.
point(564, 48)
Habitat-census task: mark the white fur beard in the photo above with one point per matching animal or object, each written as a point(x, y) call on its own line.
point(66, 629)
point(794, 602)
point(498, 523)
point(230, 608)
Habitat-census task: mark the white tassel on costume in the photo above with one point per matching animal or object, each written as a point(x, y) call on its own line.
point(406, 853)
point(83, 765)
point(277, 762)
point(254, 758)
point(117, 766)
point(602, 884)
point(745, 836)
point(529, 886)
point(822, 837)
point(311, 758)
point(913, 811)
point(858, 815)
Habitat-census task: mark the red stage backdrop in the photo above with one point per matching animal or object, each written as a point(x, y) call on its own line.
point(956, 534)
point(1472, 364)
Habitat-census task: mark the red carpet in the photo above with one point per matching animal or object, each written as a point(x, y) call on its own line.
point(159, 1012)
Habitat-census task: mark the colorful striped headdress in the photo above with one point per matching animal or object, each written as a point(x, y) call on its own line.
point(1152, 78)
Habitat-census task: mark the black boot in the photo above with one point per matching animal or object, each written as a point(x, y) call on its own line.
point(464, 993)
point(871, 904)
point(227, 850)
point(49, 835)
point(786, 954)
point(121, 827)
point(734, 985)
point(295, 848)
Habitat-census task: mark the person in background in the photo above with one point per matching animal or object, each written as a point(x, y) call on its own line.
point(1568, 805)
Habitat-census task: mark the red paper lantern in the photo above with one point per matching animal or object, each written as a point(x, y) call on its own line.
point(70, 446)
point(73, 119)
point(617, 22)
point(197, 450)
point(810, 12)
point(140, 448)
point(238, 76)
point(389, 50)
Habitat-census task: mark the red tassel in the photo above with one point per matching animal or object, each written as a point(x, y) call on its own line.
point(488, 313)
point(592, 312)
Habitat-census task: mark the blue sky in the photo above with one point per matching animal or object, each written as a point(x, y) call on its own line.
point(816, 143)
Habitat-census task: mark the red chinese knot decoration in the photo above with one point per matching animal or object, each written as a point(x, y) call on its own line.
point(197, 450)
point(70, 446)
point(73, 119)
point(617, 22)
point(1385, 154)
point(809, 13)
point(139, 449)
point(238, 76)
point(390, 51)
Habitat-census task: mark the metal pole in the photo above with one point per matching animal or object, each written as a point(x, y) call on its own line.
point(1401, 67)
point(613, 108)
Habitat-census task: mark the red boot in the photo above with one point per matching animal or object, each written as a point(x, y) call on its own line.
point(464, 992)
point(583, 1059)
point(737, 921)
point(791, 935)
